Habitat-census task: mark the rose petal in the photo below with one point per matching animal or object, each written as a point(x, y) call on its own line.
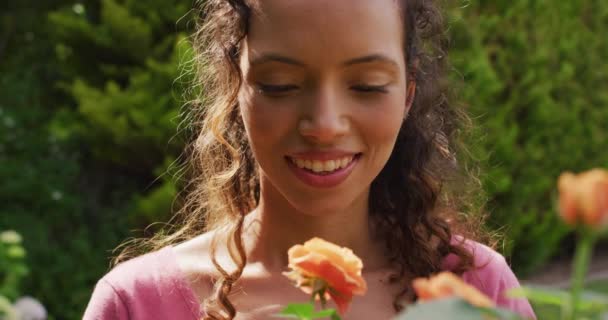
point(315, 265)
point(342, 301)
point(447, 284)
point(343, 257)
point(599, 198)
point(567, 205)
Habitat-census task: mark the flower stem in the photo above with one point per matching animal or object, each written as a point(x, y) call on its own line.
point(580, 266)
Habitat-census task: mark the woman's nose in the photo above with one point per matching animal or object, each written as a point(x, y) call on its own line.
point(325, 119)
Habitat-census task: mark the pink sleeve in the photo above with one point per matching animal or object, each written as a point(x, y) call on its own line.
point(149, 287)
point(105, 303)
point(494, 277)
point(509, 281)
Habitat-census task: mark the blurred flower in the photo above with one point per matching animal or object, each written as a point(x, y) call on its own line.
point(9, 122)
point(10, 237)
point(29, 308)
point(321, 267)
point(584, 198)
point(56, 195)
point(78, 8)
point(445, 285)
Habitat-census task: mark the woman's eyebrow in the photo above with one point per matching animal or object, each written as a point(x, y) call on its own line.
point(372, 58)
point(273, 57)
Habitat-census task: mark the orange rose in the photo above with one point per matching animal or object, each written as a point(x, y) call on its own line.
point(584, 198)
point(321, 266)
point(445, 285)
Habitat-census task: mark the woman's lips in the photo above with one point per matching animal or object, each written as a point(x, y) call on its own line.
point(323, 179)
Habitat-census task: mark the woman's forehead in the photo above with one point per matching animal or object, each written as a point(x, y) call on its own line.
point(326, 30)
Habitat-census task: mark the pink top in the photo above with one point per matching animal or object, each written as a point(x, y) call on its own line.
point(152, 287)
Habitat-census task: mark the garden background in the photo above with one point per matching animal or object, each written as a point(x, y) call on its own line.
point(92, 92)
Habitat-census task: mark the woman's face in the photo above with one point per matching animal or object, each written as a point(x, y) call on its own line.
point(323, 98)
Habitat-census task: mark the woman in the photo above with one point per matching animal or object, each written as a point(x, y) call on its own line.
point(320, 118)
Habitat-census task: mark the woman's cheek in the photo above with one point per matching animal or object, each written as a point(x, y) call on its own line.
point(266, 122)
point(383, 119)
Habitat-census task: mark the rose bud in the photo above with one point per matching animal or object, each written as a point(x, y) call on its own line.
point(583, 198)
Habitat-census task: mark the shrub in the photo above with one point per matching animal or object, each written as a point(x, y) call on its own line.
point(534, 75)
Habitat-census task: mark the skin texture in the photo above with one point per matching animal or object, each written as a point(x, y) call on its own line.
point(323, 103)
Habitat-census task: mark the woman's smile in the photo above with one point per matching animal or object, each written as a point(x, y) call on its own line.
point(323, 169)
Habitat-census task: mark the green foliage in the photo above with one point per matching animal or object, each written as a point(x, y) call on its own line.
point(534, 76)
point(12, 271)
point(306, 311)
point(12, 264)
point(150, 207)
point(575, 303)
point(551, 303)
point(125, 91)
point(7, 311)
point(125, 110)
point(68, 120)
point(58, 213)
point(456, 308)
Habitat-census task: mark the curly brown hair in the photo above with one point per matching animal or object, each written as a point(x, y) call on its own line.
point(427, 192)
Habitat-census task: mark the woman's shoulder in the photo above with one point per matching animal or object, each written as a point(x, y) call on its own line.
point(146, 268)
point(489, 266)
point(150, 286)
point(194, 260)
point(491, 274)
point(486, 260)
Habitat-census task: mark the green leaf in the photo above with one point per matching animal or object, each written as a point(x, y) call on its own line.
point(6, 309)
point(540, 295)
point(593, 302)
point(298, 310)
point(499, 313)
point(456, 308)
point(332, 313)
point(324, 313)
point(590, 300)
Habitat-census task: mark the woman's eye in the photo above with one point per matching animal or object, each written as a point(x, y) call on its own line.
point(271, 89)
point(366, 88)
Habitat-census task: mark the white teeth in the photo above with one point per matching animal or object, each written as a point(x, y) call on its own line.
point(300, 163)
point(322, 166)
point(344, 162)
point(308, 164)
point(317, 166)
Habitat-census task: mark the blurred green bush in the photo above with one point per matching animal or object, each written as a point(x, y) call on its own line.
point(12, 265)
point(535, 77)
point(89, 100)
point(89, 123)
point(12, 271)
